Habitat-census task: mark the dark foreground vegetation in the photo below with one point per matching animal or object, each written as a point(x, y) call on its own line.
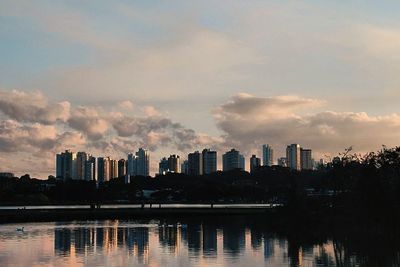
point(362, 187)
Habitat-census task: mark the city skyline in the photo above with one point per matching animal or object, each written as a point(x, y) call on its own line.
point(82, 165)
point(199, 133)
point(111, 77)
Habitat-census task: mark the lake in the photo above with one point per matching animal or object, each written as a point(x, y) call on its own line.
point(197, 241)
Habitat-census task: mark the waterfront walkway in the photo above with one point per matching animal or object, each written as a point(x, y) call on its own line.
point(131, 211)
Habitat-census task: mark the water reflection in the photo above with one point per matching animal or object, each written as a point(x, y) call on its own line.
point(207, 242)
point(209, 235)
point(62, 241)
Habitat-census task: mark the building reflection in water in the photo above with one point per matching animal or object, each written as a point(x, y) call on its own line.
point(168, 237)
point(210, 240)
point(62, 241)
point(194, 238)
point(269, 246)
point(200, 240)
point(234, 236)
point(137, 241)
point(83, 240)
point(255, 238)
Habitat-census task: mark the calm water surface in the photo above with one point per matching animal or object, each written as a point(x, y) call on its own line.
point(194, 242)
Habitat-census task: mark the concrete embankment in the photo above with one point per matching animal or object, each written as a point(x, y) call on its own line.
point(40, 215)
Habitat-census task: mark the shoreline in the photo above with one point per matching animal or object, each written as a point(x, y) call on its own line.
point(43, 215)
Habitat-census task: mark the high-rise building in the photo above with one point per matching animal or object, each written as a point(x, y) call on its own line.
point(66, 165)
point(107, 167)
point(100, 169)
point(232, 160)
point(131, 165)
point(282, 162)
point(113, 168)
point(81, 158)
point(254, 163)
point(209, 161)
point(74, 168)
point(174, 164)
point(59, 166)
point(142, 162)
point(185, 167)
point(163, 167)
point(92, 172)
point(268, 155)
point(89, 170)
point(195, 163)
point(306, 159)
point(293, 156)
point(121, 167)
point(103, 169)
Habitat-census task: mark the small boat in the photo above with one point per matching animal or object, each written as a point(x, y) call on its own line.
point(20, 229)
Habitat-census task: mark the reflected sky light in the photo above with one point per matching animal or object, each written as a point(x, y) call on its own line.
point(122, 243)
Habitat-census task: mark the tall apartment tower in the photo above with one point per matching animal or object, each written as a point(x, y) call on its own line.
point(232, 160)
point(121, 167)
point(268, 155)
point(142, 162)
point(174, 164)
point(81, 158)
point(131, 165)
point(209, 161)
point(103, 169)
point(195, 163)
point(306, 159)
point(113, 168)
point(90, 168)
point(107, 169)
point(163, 167)
point(185, 167)
point(254, 163)
point(59, 166)
point(293, 157)
point(66, 165)
point(100, 169)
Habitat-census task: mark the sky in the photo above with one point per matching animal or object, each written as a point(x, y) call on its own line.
point(108, 77)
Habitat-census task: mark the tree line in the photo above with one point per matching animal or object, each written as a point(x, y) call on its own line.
point(364, 183)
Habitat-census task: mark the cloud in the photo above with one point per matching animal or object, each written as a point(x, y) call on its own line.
point(155, 130)
point(151, 111)
point(31, 148)
point(36, 139)
point(126, 105)
point(249, 121)
point(246, 122)
point(88, 121)
point(247, 106)
point(36, 127)
point(32, 107)
point(15, 137)
point(70, 140)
